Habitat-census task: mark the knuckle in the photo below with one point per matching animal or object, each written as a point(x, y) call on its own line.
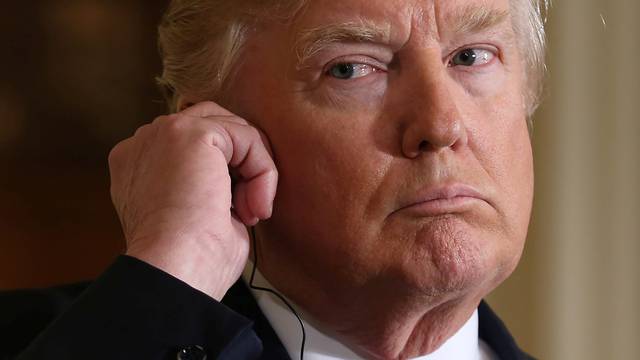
point(218, 137)
point(253, 132)
point(173, 125)
point(115, 154)
point(213, 107)
point(237, 120)
point(161, 119)
point(263, 138)
point(210, 103)
point(272, 172)
point(141, 130)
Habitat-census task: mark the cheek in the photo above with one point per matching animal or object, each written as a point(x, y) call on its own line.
point(329, 161)
point(329, 168)
point(325, 144)
point(348, 99)
point(488, 81)
point(517, 180)
point(504, 148)
point(329, 172)
point(523, 179)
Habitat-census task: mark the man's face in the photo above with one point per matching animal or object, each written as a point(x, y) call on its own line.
point(399, 132)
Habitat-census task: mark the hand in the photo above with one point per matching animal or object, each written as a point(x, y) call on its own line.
point(171, 187)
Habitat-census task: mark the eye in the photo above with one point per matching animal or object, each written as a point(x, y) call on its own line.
point(346, 71)
point(472, 57)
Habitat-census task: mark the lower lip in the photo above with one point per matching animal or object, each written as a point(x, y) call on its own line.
point(443, 206)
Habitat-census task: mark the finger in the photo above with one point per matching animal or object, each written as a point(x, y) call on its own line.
point(247, 152)
point(241, 205)
point(252, 160)
point(240, 121)
point(244, 149)
point(213, 111)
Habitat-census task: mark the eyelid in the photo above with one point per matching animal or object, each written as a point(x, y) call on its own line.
point(355, 59)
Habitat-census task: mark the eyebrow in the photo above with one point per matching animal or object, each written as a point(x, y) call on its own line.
point(474, 19)
point(314, 40)
point(470, 19)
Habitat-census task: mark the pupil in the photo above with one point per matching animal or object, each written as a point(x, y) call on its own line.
point(343, 71)
point(467, 57)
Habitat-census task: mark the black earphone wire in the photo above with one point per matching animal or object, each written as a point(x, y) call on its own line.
point(253, 273)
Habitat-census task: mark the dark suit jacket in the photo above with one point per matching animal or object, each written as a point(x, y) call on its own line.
point(135, 311)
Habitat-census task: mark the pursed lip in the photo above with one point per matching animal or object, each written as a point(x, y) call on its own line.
point(443, 199)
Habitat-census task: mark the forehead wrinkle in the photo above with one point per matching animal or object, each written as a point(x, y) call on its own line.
point(474, 19)
point(313, 40)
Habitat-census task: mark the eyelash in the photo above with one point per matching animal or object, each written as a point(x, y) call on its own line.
point(490, 56)
point(360, 63)
point(358, 70)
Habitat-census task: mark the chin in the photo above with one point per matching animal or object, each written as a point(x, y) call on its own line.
point(453, 257)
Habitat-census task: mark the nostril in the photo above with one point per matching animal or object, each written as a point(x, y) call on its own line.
point(423, 146)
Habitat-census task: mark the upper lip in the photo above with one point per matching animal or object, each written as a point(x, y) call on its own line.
point(443, 192)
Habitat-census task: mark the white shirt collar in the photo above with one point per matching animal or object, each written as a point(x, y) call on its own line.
point(464, 344)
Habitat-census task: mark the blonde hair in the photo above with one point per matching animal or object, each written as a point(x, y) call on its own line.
point(201, 40)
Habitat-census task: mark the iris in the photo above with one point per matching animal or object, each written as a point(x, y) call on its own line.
point(466, 57)
point(342, 71)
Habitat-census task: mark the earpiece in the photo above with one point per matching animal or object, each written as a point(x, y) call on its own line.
point(253, 273)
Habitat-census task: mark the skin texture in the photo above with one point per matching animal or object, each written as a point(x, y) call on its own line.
point(349, 155)
point(350, 238)
point(171, 187)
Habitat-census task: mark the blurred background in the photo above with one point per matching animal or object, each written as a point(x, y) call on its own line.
point(78, 77)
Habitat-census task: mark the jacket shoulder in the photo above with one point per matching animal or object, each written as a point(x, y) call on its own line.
point(26, 312)
point(132, 311)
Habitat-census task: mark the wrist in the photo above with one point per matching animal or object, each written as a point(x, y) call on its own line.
point(201, 272)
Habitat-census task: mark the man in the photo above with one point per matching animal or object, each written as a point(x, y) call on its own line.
point(380, 151)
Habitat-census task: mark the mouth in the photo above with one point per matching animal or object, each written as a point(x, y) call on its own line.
point(442, 200)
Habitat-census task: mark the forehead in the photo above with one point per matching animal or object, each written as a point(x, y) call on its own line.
point(399, 17)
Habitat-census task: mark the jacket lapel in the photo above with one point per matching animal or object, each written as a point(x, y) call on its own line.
point(492, 331)
point(240, 299)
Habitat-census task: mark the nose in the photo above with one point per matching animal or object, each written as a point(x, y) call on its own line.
point(433, 113)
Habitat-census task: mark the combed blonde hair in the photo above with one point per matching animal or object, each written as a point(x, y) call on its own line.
point(201, 40)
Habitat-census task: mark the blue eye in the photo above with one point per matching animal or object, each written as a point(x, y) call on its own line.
point(346, 71)
point(342, 71)
point(472, 57)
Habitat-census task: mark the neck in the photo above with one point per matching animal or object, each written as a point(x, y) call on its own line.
point(382, 323)
point(401, 329)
